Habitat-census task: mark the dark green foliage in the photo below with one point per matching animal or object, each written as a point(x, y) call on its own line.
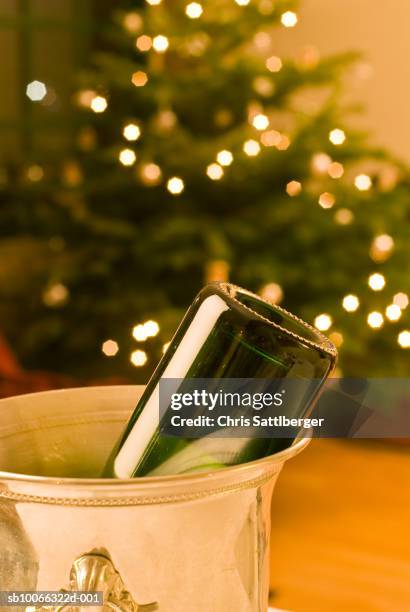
point(128, 252)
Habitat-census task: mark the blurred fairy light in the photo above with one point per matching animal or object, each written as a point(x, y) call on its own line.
point(242, 2)
point(327, 200)
point(284, 143)
point(143, 42)
point(388, 177)
point(160, 43)
point(217, 270)
point(272, 292)
point(376, 281)
point(321, 163)
point(98, 104)
point(402, 300)
point(132, 22)
point(266, 7)
point(139, 78)
point(262, 40)
point(165, 347)
point(131, 132)
point(375, 320)
point(336, 338)
point(251, 148)
point(363, 182)
point(264, 86)
point(142, 331)
point(110, 348)
point(293, 188)
point(197, 44)
point(138, 358)
point(393, 312)
point(404, 338)
point(323, 322)
point(254, 108)
point(175, 185)
point(384, 242)
point(215, 171)
point(151, 328)
point(35, 173)
point(337, 137)
point(85, 97)
point(56, 295)
point(351, 303)
point(260, 121)
point(36, 91)
point(344, 216)
point(139, 333)
point(336, 170)
point(71, 173)
point(150, 173)
point(274, 63)
point(154, 2)
point(271, 138)
point(381, 248)
point(194, 10)
point(167, 119)
point(225, 158)
point(127, 157)
point(289, 19)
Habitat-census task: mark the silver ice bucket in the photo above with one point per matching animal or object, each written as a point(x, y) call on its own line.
point(195, 543)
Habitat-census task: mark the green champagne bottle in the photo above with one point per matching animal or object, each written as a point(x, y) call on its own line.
point(227, 333)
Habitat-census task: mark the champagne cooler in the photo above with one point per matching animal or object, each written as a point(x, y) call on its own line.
point(196, 542)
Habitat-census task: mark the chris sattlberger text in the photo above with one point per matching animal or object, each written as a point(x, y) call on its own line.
point(254, 421)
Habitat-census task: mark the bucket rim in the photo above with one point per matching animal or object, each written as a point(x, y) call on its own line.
point(240, 471)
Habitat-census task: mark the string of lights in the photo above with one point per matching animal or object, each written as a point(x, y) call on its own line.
point(263, 136)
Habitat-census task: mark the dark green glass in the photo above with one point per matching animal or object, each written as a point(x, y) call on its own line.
point(227, 332)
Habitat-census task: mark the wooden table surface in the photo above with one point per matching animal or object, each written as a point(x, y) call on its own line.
point(341, 529)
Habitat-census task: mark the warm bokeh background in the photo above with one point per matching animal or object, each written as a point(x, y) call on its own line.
point(379, 31)
point(244, 160)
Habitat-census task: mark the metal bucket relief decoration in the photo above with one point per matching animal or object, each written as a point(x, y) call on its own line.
point(195, 543)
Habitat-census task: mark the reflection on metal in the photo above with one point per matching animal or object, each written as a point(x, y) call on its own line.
point(195, 524)
point(95, 571)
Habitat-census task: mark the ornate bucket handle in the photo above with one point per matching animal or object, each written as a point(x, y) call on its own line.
point(95, 571)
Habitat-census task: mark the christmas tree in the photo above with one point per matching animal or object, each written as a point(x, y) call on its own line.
point(198, 154)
